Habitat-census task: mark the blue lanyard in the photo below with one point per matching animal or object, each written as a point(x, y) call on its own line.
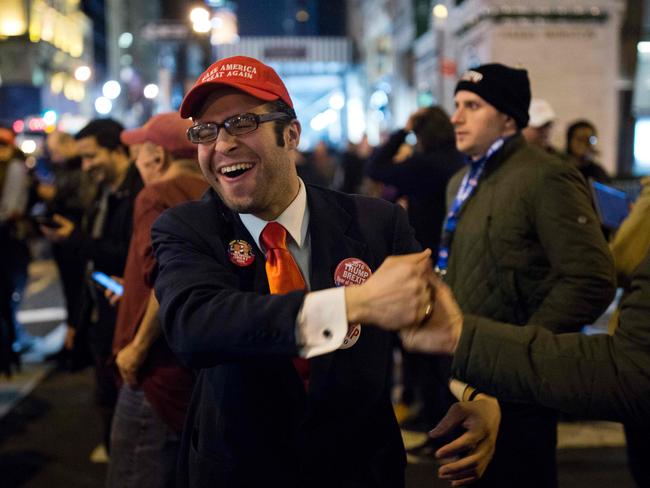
point(465, 191)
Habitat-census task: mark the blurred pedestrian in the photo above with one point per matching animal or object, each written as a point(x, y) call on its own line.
point(155, 389)
point(540, 125)
point(14, 199)
point(349, 177)
point(68, 194)
point(581, 140)
point(421, 177)
point(102, 240)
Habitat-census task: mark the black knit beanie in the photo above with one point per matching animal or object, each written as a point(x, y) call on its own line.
point(505, 88)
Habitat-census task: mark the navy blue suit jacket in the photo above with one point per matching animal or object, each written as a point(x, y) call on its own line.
point(250, 422)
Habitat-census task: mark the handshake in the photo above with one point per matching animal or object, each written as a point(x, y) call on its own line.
point(406, 296)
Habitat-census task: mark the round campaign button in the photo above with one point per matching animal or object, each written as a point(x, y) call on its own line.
point(351, 271)
point(240, 253)
point(351, 338)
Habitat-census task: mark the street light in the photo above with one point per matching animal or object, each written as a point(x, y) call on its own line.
point(440, 11)
point(151, 91)
point(111, 89)
point(103, 105)
point(200, 18)
point(82, 73)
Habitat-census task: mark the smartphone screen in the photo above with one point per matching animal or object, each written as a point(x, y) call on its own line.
point(108, 282)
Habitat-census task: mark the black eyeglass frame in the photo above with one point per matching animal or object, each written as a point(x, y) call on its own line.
point(258, 118)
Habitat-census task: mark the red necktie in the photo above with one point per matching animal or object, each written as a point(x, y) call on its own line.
point(283, 275)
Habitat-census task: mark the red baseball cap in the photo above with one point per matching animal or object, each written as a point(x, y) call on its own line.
point(241, 72)
point(167, 129)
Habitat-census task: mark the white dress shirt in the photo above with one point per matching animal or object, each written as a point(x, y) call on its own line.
point(322, 322)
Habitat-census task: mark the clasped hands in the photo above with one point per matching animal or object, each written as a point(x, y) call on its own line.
point(406, 296)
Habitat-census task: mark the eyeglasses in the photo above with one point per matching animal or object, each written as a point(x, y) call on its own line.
point(237, 125)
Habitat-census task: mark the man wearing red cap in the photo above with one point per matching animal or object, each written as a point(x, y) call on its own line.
point(155, 391)
point(291, 390)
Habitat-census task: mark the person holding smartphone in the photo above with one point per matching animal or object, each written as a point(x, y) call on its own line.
point(154, 387)
point(102, 241)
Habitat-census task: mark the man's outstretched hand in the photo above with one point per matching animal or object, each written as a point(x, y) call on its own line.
point(465, 459)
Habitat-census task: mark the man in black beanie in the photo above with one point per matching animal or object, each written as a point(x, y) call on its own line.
point(521, 244)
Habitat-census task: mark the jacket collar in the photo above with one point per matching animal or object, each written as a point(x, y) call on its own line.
point(511, 145)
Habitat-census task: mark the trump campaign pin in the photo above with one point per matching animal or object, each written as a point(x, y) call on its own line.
point(240, 253)
point(351, 271)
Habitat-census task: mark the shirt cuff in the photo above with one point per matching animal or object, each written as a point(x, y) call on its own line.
point(322, 322)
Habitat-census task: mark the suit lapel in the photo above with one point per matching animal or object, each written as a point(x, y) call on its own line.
point(331, 243)
point(257, 280)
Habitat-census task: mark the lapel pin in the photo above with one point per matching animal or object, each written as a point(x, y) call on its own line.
point(351, 271)
point(240, 253)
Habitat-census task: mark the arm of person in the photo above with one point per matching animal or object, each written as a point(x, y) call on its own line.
point(632, 240)
point(574, 244)
point(208, 320)
point(130, 359)
point(597, 376)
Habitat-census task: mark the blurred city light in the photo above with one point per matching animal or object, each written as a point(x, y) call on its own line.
point(440, 11)
point(199, 14)
point(111, 89)
point(127, 74)
point(323, 119)
point(18, 126)
point(125, 40)
point(49, 117)
point(151, 91)
point(642, 143)
point(356, 120)
point(302, 15)
point(28, 146)
point(337, 101)
point(643, 47)
point(224, 28)
point(200, 18)
point(36, 124)
point(103, 105)
point(13, 21)
point(82, 73)
point(378, 99)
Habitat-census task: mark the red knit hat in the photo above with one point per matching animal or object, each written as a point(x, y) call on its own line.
point(167, 130)
point(241, 72)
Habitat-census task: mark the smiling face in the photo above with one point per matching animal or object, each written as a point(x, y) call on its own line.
point(96, 161)
point(478, 124)
point(251, 172)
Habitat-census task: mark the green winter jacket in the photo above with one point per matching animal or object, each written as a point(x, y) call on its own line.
point(597, 376)
point(528, 247)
